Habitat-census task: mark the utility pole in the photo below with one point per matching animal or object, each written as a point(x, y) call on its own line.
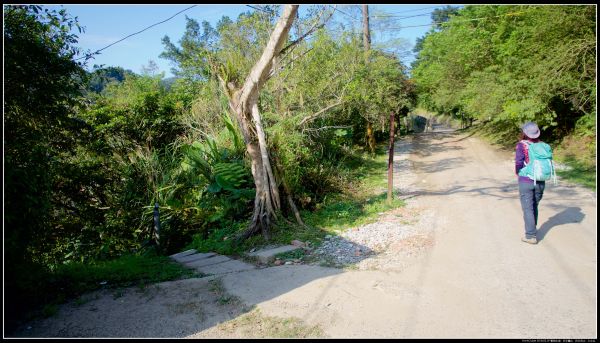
point(156, 226)
point(370, 138)
point(367, 45)
point(366, 33)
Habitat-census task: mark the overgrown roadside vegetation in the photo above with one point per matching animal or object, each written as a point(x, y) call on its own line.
point(361, 196)
point(89, 154)
point(359, 202)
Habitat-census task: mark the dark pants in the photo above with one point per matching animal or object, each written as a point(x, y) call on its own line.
point(530, 196)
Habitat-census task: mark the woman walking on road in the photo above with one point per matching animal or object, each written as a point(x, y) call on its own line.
point(530, 191)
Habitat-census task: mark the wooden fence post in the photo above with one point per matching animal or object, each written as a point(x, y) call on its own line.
point(156, 226)
point(391, 162)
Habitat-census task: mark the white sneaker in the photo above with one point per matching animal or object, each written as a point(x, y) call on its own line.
point(532, 240)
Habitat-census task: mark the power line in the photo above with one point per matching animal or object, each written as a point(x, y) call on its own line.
point(456, 21)
point(394, 14)
point(133, 34)
point(388, 15)
point(344, 13)
point(400, 17)
point(261, 9)
point(415, 10)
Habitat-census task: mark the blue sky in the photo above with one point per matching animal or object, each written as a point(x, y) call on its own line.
point(106, 24)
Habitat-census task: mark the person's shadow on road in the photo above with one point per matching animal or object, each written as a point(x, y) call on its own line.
point(566, 216)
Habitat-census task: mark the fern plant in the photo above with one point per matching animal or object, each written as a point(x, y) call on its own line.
point(227, 190)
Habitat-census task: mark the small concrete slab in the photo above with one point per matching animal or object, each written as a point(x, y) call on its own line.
point(226, 267)
point(198, 263)
point(195, 257)
point(183, 253)
point(267, 255)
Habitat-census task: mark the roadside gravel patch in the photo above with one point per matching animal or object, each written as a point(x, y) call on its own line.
point(398, 237)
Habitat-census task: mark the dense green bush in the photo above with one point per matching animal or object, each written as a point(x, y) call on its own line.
point(512, 64)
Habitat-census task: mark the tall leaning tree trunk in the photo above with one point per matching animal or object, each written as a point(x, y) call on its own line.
point(244, 103)
point(370, 136)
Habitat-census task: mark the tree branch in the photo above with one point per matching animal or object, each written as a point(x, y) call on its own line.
point(311, 30)
point(293, 44)
point(315, 115)
point(275, 71)
point(259, 72)
point(330, 127)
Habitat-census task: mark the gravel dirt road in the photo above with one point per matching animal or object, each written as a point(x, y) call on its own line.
point(472, 277)
point(478, 280)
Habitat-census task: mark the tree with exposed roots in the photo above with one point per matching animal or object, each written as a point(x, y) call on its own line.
point(243, 102)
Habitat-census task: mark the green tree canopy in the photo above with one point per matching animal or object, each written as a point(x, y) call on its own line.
point(511, 64)
point(41, 90)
